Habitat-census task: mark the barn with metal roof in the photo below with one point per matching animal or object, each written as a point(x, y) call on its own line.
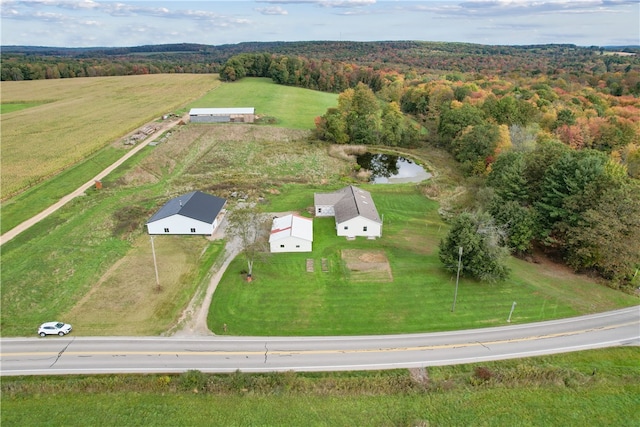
point(222, 115)
point(192, 213)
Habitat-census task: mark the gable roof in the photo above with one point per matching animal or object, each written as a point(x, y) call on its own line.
point(349, 202)
point(196, 205)
point(291, 226)
point(220, 111)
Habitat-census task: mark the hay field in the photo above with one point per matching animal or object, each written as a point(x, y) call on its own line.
point(77, 117)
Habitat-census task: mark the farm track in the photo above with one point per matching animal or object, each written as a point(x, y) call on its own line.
point(78, 192)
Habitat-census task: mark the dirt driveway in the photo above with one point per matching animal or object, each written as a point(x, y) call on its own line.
point(78, 192)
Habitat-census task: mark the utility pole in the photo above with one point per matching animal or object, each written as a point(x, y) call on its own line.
point(455, 296)
point(155, 264)
point(513, 306)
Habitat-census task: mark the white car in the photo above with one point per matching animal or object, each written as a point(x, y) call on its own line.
point(54, 328)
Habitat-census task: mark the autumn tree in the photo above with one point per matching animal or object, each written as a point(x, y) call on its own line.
point(607, 235)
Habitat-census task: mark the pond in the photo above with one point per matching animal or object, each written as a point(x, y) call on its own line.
point(390, 169)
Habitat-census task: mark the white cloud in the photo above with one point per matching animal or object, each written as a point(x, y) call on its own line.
point(324, 3)
point(275, 10)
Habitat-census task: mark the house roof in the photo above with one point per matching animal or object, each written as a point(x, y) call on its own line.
point(350, 202)
point(220, 111)
point(291, 226)
point(196, 204)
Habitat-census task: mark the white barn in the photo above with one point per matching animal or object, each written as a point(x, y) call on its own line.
point(291, 233)
point(191, 213)
point(354, 211)
point(222, 115)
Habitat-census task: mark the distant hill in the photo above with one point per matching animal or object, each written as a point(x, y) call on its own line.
point(37, 62)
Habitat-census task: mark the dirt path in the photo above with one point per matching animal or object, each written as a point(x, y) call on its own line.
point(78, 192)
point(193, 321)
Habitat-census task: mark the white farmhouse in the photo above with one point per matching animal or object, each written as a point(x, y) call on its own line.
point(291, 233)
point(191, 213)
point(354, 211)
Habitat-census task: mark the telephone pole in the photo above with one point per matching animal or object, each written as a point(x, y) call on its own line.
point(455, 295)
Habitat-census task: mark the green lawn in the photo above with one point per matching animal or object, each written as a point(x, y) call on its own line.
point(285, 299)
point(292, 107)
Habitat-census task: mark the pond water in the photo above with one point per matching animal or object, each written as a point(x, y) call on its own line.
point(390, 169)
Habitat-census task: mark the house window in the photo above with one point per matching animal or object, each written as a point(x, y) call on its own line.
point(297, 246)
point(319, 210)
point(193, 230)
point(346, 227)
point(166, 230)
point(282, 246)
point(364, 228)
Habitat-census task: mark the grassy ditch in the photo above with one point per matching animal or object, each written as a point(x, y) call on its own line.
point(409, 291)
point(599, 387)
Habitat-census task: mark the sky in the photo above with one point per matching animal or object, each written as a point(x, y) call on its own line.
point(96, 23)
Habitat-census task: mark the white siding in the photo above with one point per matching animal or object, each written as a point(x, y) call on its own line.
point(359, 226)
point(178, 224)
point(291, 244)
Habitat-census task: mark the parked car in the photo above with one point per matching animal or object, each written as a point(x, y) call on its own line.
point(54, 328)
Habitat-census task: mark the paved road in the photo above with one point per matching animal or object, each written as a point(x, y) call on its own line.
point(84, 187)
point(92, 355)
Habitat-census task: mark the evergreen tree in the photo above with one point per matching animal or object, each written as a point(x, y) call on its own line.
point(483, 255)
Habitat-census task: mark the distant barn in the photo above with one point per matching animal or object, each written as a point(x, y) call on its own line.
point(222, 115)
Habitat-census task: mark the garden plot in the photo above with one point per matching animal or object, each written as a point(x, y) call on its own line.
point(367, 265)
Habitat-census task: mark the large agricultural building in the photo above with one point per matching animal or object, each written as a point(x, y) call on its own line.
point(222, 115)
point(191, 213)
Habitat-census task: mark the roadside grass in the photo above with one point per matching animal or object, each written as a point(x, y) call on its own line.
point(596, 387)
point(285, 299)
point(77, 117)
point(292, 108)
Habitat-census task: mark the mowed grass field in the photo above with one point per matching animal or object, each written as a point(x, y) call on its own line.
point(70, 119)
point(272, 100)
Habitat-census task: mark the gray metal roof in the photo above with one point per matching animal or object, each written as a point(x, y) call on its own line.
point(220, 111)
point(196, 204)
point(350, 202)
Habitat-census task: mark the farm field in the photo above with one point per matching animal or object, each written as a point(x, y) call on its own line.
point(597, 387)
point(95, 249)
point(70, 119)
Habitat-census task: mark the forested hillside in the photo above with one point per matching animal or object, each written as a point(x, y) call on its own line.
point(550, 135)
